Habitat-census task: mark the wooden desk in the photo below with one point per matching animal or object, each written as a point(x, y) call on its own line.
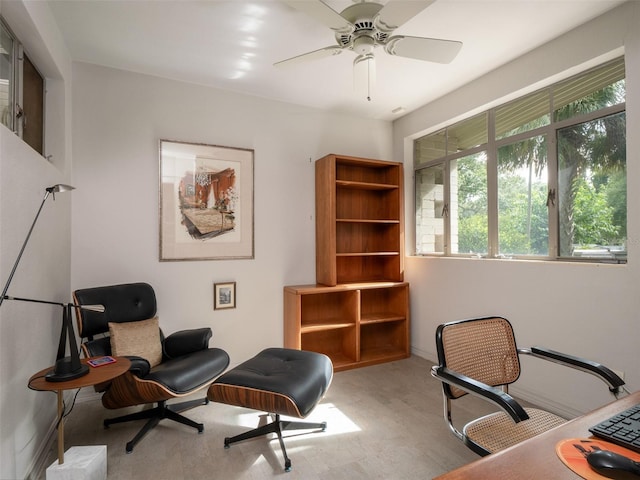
point(536, 458)
point(95, 376)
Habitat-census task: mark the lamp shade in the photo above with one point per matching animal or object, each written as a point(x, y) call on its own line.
point(60, 187)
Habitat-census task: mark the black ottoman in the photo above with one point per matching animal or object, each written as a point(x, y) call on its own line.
point(278, 381)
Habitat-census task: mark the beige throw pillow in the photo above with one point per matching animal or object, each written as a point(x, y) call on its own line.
point(140, 339)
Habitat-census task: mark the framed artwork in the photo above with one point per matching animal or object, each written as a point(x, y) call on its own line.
point(224, 295)
point(206, 202)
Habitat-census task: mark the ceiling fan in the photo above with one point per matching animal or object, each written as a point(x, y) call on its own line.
point(364, 26)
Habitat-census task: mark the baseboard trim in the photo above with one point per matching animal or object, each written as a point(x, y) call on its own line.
point(545, 403)
point(430, 356)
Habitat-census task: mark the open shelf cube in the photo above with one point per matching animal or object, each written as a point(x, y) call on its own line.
point(354, 324)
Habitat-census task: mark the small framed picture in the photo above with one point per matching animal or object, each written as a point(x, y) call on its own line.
point(224, 295)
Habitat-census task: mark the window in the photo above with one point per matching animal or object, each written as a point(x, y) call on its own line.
point(541, 177)
point(430, 209)
point(469, 204)
point(22, 90)
point(592, 200)
point(523, 217)
point(6, 77)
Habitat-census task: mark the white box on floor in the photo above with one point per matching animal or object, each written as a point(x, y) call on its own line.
point(81, 463)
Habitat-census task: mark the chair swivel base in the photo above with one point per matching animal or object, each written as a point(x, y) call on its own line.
point(154, 415)
point(277, 427)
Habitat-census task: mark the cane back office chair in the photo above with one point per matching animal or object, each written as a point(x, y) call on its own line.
point(161, 368)
point(479, 356)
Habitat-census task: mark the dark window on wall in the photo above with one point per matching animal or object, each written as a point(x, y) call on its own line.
point(22, 91)
point(6, 76)
point(32, 106)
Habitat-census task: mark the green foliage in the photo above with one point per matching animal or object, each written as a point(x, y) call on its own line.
point(473, 234)
point(616, 192)
point(593, 217)
point(523, 221)
point(472, 204)
point(472, 186)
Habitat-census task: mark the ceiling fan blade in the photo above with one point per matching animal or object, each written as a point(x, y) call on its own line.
point(322, 13)
point(396, 13)
point(315, 55)
point(420, 48)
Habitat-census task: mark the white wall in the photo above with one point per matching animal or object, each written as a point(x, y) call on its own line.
point(118, 119)
point(587, 310)
point(28, 332)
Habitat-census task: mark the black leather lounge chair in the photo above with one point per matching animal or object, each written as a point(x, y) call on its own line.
point(161, 368)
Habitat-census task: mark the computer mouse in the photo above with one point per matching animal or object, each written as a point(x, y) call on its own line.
point(613, 465)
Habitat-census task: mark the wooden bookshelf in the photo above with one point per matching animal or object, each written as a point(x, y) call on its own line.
point(359, 228)
point(358, 312)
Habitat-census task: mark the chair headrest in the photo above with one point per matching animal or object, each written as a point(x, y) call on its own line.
point(130, 302)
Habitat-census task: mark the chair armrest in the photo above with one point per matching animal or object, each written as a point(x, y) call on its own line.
point(588, 366)
point(139, 366)
point(494, 395)
point(186, 341)
point(98, 347)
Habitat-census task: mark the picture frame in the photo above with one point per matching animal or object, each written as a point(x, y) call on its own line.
point(224, 295)
point(206, 202)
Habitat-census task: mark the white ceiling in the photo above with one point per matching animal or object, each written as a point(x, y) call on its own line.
point(232, 45)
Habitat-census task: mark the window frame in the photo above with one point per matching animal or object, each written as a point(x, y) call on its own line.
point(550, 131)
point(12, 77)
point(19, 109)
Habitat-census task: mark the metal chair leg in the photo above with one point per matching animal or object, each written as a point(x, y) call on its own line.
point(276, 426)
point(154, 415)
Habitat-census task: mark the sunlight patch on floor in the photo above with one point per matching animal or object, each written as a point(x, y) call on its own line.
point(337, 421)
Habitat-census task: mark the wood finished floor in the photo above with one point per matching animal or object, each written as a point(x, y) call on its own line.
point(383, 422)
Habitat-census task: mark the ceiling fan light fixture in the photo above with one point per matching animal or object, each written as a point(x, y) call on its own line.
point(364, 45)
point(364, 74)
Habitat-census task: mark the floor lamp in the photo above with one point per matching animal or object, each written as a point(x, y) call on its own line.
point(66, 368)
